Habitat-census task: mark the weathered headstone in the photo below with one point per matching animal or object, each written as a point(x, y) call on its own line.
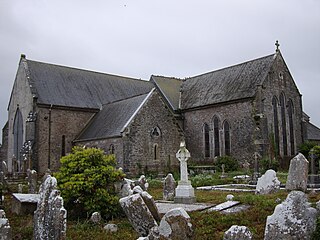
point(268, 183)
point(142, 182)
point(298, 173)
point(169, 188)
point(137, 189)
point(5, 229)
point(125, 189)
point(236, 232)
point(176, 224)
point(148, 199)
point(50, 216)
point(95, 218)
point(20, 188)
point(32, 180)
point(293, 217)
point(184, 191)
point(229, 197)
point(223, 173)
point(138, 214)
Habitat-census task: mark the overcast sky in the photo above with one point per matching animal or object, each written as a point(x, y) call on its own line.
point(179, 38)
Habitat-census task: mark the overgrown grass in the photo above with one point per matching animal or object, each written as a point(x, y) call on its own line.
point(206, 225)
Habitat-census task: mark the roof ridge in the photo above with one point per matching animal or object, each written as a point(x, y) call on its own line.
point(224, 68)
point(124, 99)
point(86, 70)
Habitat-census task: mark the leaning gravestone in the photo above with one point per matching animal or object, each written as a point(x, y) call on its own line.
point(236, 232)
point(176, 224)
point(5, 229)
point(50, 217)
point(298, 173)
point(149, 201)
point(292, 219)
point(138, 214)
point(268, 183)
point(169, 187)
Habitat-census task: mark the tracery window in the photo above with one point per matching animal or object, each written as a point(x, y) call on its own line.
point(206, 130)
point(17, 135)
point(111, 149)
point(291, 131)
point(216, 137)
point(276, 123)
point(226, 131)
point(156, 132)
point(283, 123)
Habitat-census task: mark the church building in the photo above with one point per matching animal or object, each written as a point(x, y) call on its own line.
point(253, 107)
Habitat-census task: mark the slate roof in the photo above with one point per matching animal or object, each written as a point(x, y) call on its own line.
point(113, 118)
point(227, 84)
point(71, 87)
point(313, 132)
point(169, 87)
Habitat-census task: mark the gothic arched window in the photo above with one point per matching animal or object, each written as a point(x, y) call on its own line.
point(216, 138)
point(111, 149)
point(276, 124)
point(17, 134)
point(156, 132)
point(283, 124)
point(226, 132)
point(206, 130)
point(290, 115)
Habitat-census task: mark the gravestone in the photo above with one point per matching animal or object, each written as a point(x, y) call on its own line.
point(176, 224)
point(148, 200)
point(169, 186)
point(50, 217)
point(138, 214)
point(95, 218)
point(223, 173)
point(184, 191)
point(298, 173)
point(268, 183)
point(32, 180)
point(110, 227)
point(5, 229)
point(236, 232)
point(293, 217)
point(142, 182)
point(20, 188)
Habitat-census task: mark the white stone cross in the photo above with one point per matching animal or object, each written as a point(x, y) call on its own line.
point(183, 155)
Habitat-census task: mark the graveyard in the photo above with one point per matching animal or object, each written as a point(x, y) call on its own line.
point(182, 205)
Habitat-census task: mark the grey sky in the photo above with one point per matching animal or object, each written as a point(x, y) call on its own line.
point(180, 38)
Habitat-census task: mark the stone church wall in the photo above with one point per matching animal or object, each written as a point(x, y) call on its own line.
point(239, 116)
point(277, 82)
point(64, 126)
point(152, 140)
point(21, 97)
point(106, 145)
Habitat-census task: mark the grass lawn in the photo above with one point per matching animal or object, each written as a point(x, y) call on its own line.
point(206, 225)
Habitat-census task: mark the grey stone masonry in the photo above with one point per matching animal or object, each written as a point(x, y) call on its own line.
point(292, 219)
point(169, 187)
point(268, 183)
point(138, 214)
point(236, 232)
point(50, 218)
point(298, 173)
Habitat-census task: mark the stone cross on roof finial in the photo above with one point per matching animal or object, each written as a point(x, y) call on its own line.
point(277, 45)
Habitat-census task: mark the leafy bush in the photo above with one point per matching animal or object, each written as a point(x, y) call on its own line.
point(230, 164)
point(267, 163)
point(86, 180)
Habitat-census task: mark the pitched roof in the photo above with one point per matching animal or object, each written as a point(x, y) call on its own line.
point(313, 132)
point(66, 86)
point(113, 118)
point(227, 84)
point(169, 87)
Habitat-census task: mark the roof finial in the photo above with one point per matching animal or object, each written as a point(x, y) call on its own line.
point(277, 46)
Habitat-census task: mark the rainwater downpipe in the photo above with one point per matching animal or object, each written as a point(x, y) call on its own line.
point(49, 138)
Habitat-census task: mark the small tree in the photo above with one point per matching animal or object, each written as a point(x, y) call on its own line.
point(86, 181)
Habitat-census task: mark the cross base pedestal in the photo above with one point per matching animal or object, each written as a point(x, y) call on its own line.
point(184, 193)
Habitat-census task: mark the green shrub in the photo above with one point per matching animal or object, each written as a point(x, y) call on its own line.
point(86, 181)
point(229, 162)
point(267, 163)
point(305, 148)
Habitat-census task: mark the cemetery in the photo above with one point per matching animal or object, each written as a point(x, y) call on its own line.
point(252, 202)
